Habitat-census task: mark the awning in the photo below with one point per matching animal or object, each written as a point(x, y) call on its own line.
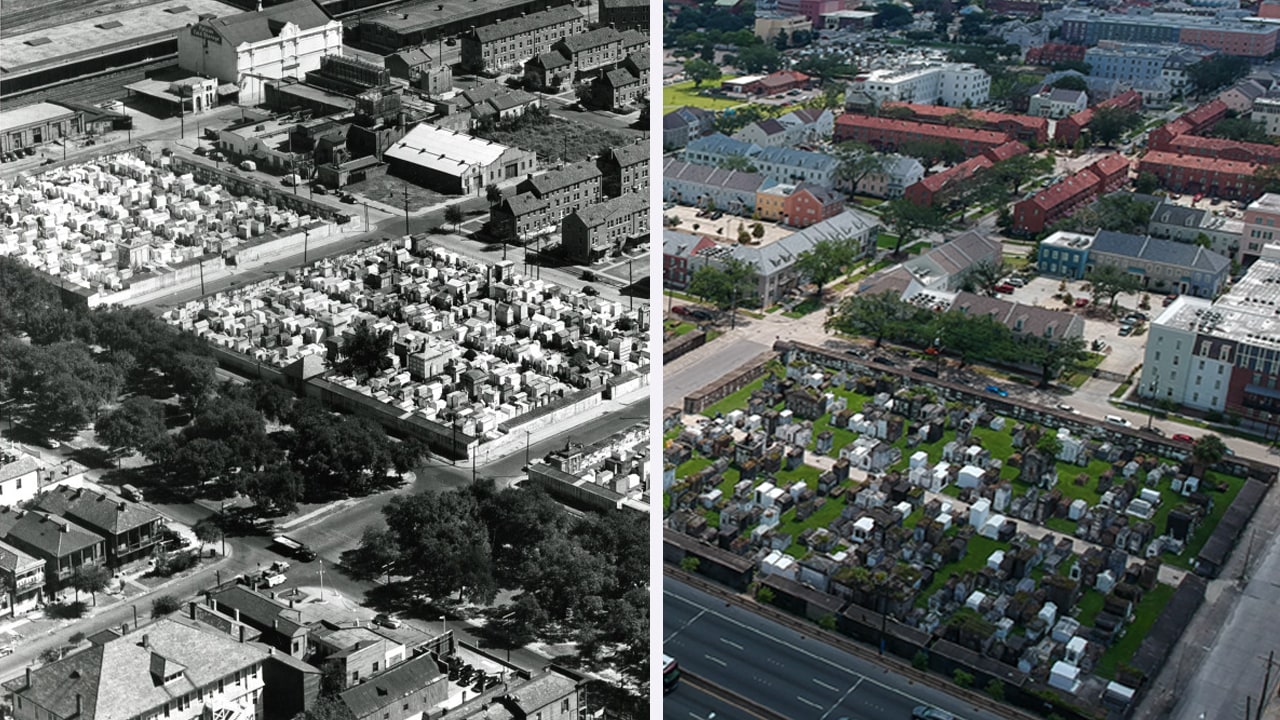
point(228, 89)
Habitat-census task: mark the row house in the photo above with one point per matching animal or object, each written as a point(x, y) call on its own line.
point(60, 544)
point(624, 169)
point(623, 87)
point(888, 134)
point(798, 205)
point(21, 581)
point(595, 231)
point(1069, 129)
point(1036, 213)
point(1193, 122)
point(678, 252)
point(600, 48)
point(510, 42)
point(927, 191)
point(1222, 148)
point(1023, 128)
point(542, 201)
point(891, 179)
point(132, 531)
point(1229, 179)
point(682, 125)
point(624, 14)
point(732, 191)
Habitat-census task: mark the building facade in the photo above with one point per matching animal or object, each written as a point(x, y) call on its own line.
point(509, 43)
point(951, 84)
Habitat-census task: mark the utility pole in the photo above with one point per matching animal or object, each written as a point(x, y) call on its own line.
point(631, 294)
point(473, 467)
point(1266, 684)
point(366, 215)
point(201, 276)
point(526, 448)
point(405, 190)
point(306, 241)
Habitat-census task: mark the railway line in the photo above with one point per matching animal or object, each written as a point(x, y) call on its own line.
point(90, 90)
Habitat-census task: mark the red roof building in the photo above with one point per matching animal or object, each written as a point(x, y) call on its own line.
point(887, 134)
point(1196, 174)
point(810, 204)
point(1193, 121)
point(925, 192)
point(1033, 215)
point(1026, 128)
point(777, 82)
point(1054, 53)
point(1069, 129)
point(1223, 148)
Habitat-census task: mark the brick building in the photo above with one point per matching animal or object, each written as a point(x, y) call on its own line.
point(511, 42)
point(1033, 215)
point(1070, 128)
point(888, 134)
point(1024, 128)
point(926, 191)
point(1229, 179)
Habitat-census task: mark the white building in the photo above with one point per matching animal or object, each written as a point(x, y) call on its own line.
point(930, 83)
point(891, 180)
point(246, 50)
point(454, 163)
point(1057, 103)
point(1266, 112)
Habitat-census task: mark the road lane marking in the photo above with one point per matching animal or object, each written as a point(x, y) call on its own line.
point(687, 623)
point(809, 702)
point(828, 686)
point(840, 702)
point(716, 660)
point(756, 631)
point(730, 643)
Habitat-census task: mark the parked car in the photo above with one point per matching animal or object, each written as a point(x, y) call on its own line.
point(215, 155)
point(347, 198)
point(54, 444)
point(997, 390)
point(588, 275)
point(1005, 288)
point(925, 370)
point(703, 315)
point(1117, 420)
point(681, 310)
point(1168, 300)
point(1016, 282)
point(1125, 330)
point(319, 189)
point(1081, 302)
point(926, 712)
point(1067, 408)
point(1182, 438)
point(387, 621)
point(29, 151)
point(271, 579)
point(590, 290)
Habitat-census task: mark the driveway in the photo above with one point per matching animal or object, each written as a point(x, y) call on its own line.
point(1123, 353)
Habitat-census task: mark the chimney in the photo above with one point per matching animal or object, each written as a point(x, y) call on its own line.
point(28, 676)
point(65, 527)
point(146, 641)
point(120, 506)
point(191, 609)
point(274, 623)
point(79, 705)
point(241, 633)
point(291, 603)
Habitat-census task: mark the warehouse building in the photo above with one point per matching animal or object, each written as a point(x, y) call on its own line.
point(454, 163)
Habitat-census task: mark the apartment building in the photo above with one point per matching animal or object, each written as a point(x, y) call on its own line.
point(1023, 128)
point(595, 231)
point(950, 84)
point(1164, 266)
point(509, 43)
point(1224, 34)
point(1057, 103)
point(21, 581)
point(887, 134)
point(1059, 200)
point(1181, 173)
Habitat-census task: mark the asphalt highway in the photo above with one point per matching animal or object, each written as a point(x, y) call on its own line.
point(781, 669)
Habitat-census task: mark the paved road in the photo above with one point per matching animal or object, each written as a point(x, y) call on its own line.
point(687, 702)
point(784, 670)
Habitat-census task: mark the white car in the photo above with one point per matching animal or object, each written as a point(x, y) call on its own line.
point(1067, 408)
point(1117, 420)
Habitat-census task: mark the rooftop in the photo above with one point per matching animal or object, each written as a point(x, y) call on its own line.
point(392, 686)
point(34, 113)
point(259, 25)
point(444, 150)
point(96, 510)
point(527, 23)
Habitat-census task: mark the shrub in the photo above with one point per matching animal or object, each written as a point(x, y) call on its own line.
point(764, 595)
point(920, 660)
point(690, 564)
point(995, 689)
point(165, 605)
point(962, 678)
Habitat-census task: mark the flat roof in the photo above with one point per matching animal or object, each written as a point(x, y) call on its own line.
point(102, 31)
point(39, 112)
point(434, 13)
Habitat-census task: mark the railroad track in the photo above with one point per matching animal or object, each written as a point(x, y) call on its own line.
point(91, 90)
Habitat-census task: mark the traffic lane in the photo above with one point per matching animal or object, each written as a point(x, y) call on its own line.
point(687, 702)
point(800, 655)
point(696, 373)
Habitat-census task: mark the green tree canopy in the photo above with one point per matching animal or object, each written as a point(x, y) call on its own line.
point(1109, 123)
point(136, 425)
point(1108, 282)
point(364, 352)
point(827, 260)
point(730, 284)
point(700, 71)
point(910, 221)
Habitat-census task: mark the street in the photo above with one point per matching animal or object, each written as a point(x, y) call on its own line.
point(781, 669)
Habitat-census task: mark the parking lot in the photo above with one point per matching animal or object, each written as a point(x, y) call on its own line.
point(1123, 353)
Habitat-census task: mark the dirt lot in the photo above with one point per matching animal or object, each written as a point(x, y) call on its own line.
point(390, 190)
point(560, 139)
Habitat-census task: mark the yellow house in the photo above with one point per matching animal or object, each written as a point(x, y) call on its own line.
point(771, 202)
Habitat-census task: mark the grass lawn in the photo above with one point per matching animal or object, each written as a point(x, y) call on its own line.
point(839, 436)
point(1145, 615)
point(735, 401)
point(691, 466)
point(886, 241)
point(675, 327)
point(975, 558)
point(559, 138)
point(1085, 371)
point(1090, 605)
point(673, 433)
point(681, 94)
point(803, 309)
point(731, 478)
point(825, 515)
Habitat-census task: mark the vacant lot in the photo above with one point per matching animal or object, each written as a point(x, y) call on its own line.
point(681, 94)
point(391, 190)
point(557, 138)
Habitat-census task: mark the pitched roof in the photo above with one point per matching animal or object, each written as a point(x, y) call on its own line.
point(678, 244)
point(1065, 191)
point(924, 129)
point(256, 26)
point(1199, 162)
point(824, 196)
point(1167, 213)
point(527, 24)
point(625, 204)
point(22, 464)
point(720, 144)
point(592, 39)
point(1034, 320)
point(679, 170)
point(391, 686)
point(628, 155)
point(1109, 165)
point(1065, 95)
point(114, 680)
point(413, 57)
point(13, 560)
point(550, 60)
point(53, 536)
point(1000, 153)
point(620, 77)
point(542, 691)
point(444, 150)
point(570, 174)
point(963, 251)
point(259, 610)
point(959, 171)
point(792, 157)
point(1168, 252)
point(522, 203)
point(96, 511)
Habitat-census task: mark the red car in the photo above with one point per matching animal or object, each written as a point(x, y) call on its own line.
point(680, 310)
point(1005, 288)
point(1182, 438)
point(1081, 302)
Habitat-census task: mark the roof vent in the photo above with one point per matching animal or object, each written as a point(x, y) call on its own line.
point(37, 42)
point(109, 25)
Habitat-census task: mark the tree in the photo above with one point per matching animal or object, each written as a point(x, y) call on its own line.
point(827, 260)
point(891, 15)
point(757, 230)
point(59, 387)
point(874, 316)
point(1241, 129)
point(1055, 359)
point(780, 41)
point(758, 59)
point(764, 595)
point(1071, 82)
point(340, 455)
point(909, 221)
point(1217, 71)
point(364, 352)
point(1109, 281)
point(194, 377)
point(133, 426)
point(1049, 445)
point(454, 216)
point(690, 563)
point(443, 538)
point(165, 605)
point(375, 556)
point(92, 579)
point(727, 286)
point(206, 531)
point(274, 489)
point(857, 162)
point(983, 276)
point(1207, 451)
point(1268, 178)
point(493, 194)
point(526, 622)
point(741, 163)
point(995, 689)
point(1109, 123)
point(700, 71)
point(1146, 182)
